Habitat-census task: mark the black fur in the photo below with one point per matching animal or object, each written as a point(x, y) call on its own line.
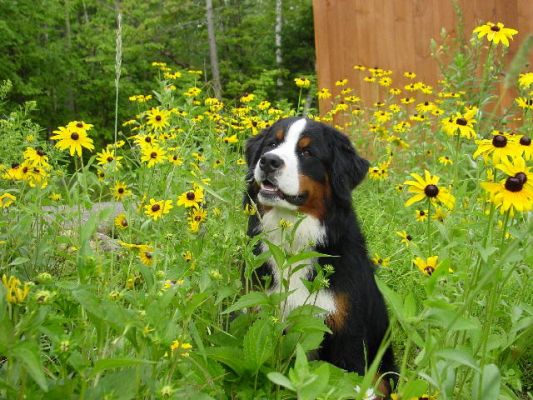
point(354, 345)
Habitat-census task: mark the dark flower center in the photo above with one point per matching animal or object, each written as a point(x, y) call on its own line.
point(495, 28)
point(525, 141)
point(514, 184)
point(124, 223)
point(429, 270)
point(426, 103)
point(156, 207)
point(409, 237)
point(148, 255)
point(422, 213)
point(461, 121)
point(79, 125)
point(522, 177)
point(499, 141)
point(147, 139)
point(198, 218)
point(109, 159)
point(158, 117)
point(175, 158)
point(15, 165)
point(120, 190)
point(190, 196)
point(431, 191)
point(153, 154)
point(74, 136)
point(529, 102)
point(40, 153)
point(25, 169)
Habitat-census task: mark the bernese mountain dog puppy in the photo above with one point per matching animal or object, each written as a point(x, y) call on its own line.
point(303, 172)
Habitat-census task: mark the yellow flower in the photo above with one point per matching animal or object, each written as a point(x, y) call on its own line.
point(194, 226)
point(383, 262)
point(303, 83)
point(510, 194)
point(428, 266)
point(153, 155)
point(230, 139)
point(525, 80)
point(426, 188)
point(409, 75)
point(107, 156)
point(525, 103)
point(16, 293)
point(462, 123)
point(421, 215)
point(198, 215)
point(193, 92)
point(120, 191)
point(495, 33)
point(181, 347)
point(36, 157)
point(73, 139)
point(500, 146)
point(176, 160)
point(146, 257)
point(445, 160)
point(324, 93)
point(55, 196)
point(342, 82)
point(439, 214)
point(525, 146)
point(121, 221)
point(6, 200)
point(158, 119)
point(156, 209)
point(191, 198)
point(247, 98)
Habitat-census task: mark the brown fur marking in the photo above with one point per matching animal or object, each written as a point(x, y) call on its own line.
point(280, 135)
point(318, 193)
point(304, 142)
point(336, 320)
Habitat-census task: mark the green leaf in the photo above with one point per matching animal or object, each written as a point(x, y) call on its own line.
point(228, 355)
point(19, 260)
point(248, 300)
point(29, 357)
point(462, 357)
point(490, 385)
point(305, 256)
point(259, 343)
point(414, 388)
point(277, 253)
point(281, 380)
point(112, 363)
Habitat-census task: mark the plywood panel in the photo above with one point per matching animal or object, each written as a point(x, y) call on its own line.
point(395, 34)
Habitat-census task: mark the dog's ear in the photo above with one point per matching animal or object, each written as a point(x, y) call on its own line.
point(251, 151)
point(348, 169)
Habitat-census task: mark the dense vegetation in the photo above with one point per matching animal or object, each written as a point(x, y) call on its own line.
point(145, 298)
point(61, 53)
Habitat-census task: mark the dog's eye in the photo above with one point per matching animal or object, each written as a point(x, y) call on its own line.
point(273, 145)
point(304, 153)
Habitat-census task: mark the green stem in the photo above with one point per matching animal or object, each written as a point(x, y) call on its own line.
point(430, 246)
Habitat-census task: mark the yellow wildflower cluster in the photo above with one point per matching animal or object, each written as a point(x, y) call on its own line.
point(16, 292)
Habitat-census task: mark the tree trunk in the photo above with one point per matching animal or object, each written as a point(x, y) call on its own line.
point(213, 49)
point(279, 26)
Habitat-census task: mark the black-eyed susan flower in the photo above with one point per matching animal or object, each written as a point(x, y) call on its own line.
point(182, 348)
point(381, 261)
point(175, 160)
point(6, 200)
point(421, 215)
point(157, 119)
point(525, 103)
point(74, 139)
point(303, 83)
point(16, 292)
point(427, 266)
point(342, 82)
point(409, 75)
point(500, 146)
point(425, 107)
point(153, 155)
point(511, 194)
point(107, 156)
point(120, 191)
point(324, 93)
point(157, 208)
point(525, 80)
point(191, 198)
point(426, 188)
point(80, 125)
point(516, 167)
point(37, 157)
point(121, 221)
point(445, 160)
point(407, 100)
point(395, 91)
point(230, 139)
point(405, 237)
point(55, 196)
point(440, 214)
point(462, 123)
point(146, 256)
point(495, 33)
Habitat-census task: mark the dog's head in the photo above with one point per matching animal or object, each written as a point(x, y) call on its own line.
point(300, 164)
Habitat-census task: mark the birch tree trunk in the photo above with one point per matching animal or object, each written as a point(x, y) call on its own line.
point(213, 49)
point(279, 26)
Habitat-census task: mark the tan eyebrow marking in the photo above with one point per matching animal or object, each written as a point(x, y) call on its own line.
point(304, 142)
point(280, 135)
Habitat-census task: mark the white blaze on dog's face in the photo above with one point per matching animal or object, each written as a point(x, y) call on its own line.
point(277, 171)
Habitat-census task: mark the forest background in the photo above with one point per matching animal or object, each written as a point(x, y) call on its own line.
point(61, 53)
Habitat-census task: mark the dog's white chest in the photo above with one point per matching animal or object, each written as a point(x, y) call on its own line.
point(296, 234)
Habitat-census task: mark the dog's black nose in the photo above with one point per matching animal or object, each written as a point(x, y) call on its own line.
point(270, 162)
